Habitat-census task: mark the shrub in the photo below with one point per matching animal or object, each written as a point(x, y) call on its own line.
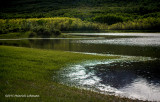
point(109, 19)
point(32, 34)
point(41, 31)
point(55, 32)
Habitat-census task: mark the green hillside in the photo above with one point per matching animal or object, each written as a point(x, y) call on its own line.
point(102, 11)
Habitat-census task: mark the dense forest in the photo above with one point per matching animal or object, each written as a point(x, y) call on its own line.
point(114, 13)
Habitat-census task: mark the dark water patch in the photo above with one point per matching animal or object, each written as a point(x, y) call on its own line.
point(122, 73)
point(132, 79)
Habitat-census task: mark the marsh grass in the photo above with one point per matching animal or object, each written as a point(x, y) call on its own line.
point(25, 71)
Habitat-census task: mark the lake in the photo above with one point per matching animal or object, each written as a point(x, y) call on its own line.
point(135, 75)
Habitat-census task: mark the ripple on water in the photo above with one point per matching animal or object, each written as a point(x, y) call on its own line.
point(127, 78)
point(146, 41)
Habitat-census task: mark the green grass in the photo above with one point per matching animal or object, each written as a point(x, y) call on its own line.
point(25, 71)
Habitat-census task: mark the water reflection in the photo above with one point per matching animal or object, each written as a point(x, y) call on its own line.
point(133, 79)
point(142, 89)
point(143, 44)
point(72, 45)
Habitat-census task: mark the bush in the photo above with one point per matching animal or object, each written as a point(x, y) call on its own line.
point(55, 32)
point(32, 34)
point(109, 19)
point(41, 31)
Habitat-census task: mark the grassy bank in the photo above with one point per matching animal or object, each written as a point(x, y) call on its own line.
point(26, 71)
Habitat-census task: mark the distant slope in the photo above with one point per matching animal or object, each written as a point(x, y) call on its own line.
point(103, 11)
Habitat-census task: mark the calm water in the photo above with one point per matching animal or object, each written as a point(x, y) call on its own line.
point(133, 44)
point(135, 75)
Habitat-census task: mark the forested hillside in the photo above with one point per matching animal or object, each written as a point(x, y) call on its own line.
point(102, 11)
